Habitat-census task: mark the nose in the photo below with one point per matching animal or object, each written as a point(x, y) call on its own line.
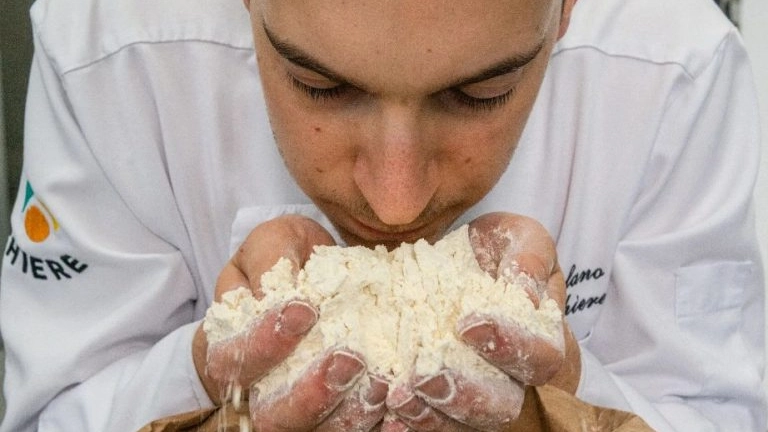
point(395, 168)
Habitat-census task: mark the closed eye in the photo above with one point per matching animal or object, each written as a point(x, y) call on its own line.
point(319, 93)
point(481, 104)
point(487, 89)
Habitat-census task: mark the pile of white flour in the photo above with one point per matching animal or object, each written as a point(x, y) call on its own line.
point(398, 309)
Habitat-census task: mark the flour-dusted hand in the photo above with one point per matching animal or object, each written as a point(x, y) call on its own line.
point(230, 364)
point(451, 401)
point(320, 400)
point(520, 250)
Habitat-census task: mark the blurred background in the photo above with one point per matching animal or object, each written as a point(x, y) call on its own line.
point(16, 51)
point(15, 57)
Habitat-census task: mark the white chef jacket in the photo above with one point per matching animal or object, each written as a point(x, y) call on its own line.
point(149, 157)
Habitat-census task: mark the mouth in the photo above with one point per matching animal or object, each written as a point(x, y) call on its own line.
point(389, 235)
point(359, 228)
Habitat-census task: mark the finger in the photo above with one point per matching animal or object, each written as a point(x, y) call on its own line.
point(486, 404)
point(569, 375)
point(241, 360)
point(528, 271)
point(495, 235)
point(311, 399)
point(509, 246)
point(230, 279)
point(292, 237)
point(359, 411)
point(418, 415)
point(542, 279)
point(528, 358)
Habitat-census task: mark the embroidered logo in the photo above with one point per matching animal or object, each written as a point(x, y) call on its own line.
point(39, 223)
point(575, 303)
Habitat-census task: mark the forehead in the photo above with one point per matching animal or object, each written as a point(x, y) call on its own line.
point(384, 38)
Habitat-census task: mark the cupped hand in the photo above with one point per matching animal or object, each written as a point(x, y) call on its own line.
point(518, 249)
point(321, 398)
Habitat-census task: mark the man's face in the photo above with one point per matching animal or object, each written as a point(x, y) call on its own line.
point(397, 116)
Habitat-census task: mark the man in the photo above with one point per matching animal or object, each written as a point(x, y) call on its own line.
point(150, 162)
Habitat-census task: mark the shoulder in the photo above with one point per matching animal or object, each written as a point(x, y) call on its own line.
point(682, 33)
point(77, 33)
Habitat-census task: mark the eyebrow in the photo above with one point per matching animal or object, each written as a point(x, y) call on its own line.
point(300, 58)
point(503, 67)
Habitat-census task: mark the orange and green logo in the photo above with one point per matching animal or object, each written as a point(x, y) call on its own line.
point(39, 223)
point(39, 226)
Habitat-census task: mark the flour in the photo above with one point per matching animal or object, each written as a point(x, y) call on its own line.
point(232, 315)
point(398, 309)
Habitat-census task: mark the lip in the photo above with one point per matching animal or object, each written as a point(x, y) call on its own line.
point(374, 235)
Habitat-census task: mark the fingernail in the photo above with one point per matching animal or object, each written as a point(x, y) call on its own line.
point(297, 318)
point(481, 335)
point(411, 409)
point(377, 393)
point(438, 389)
point(344, 371)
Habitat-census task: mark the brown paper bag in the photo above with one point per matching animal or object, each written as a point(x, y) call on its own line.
point(546, 409)
point(562, 412)
point(223, 419)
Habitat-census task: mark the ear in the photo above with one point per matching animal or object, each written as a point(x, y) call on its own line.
point(247, 4)
point(565, 17)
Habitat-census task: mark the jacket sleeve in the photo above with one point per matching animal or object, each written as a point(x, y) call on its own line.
point(681, 338)
point(97, 308)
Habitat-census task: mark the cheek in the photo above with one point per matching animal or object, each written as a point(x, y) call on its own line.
point(490, 142)
point(308, 140)
point(480, 154)
point(311, 147)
